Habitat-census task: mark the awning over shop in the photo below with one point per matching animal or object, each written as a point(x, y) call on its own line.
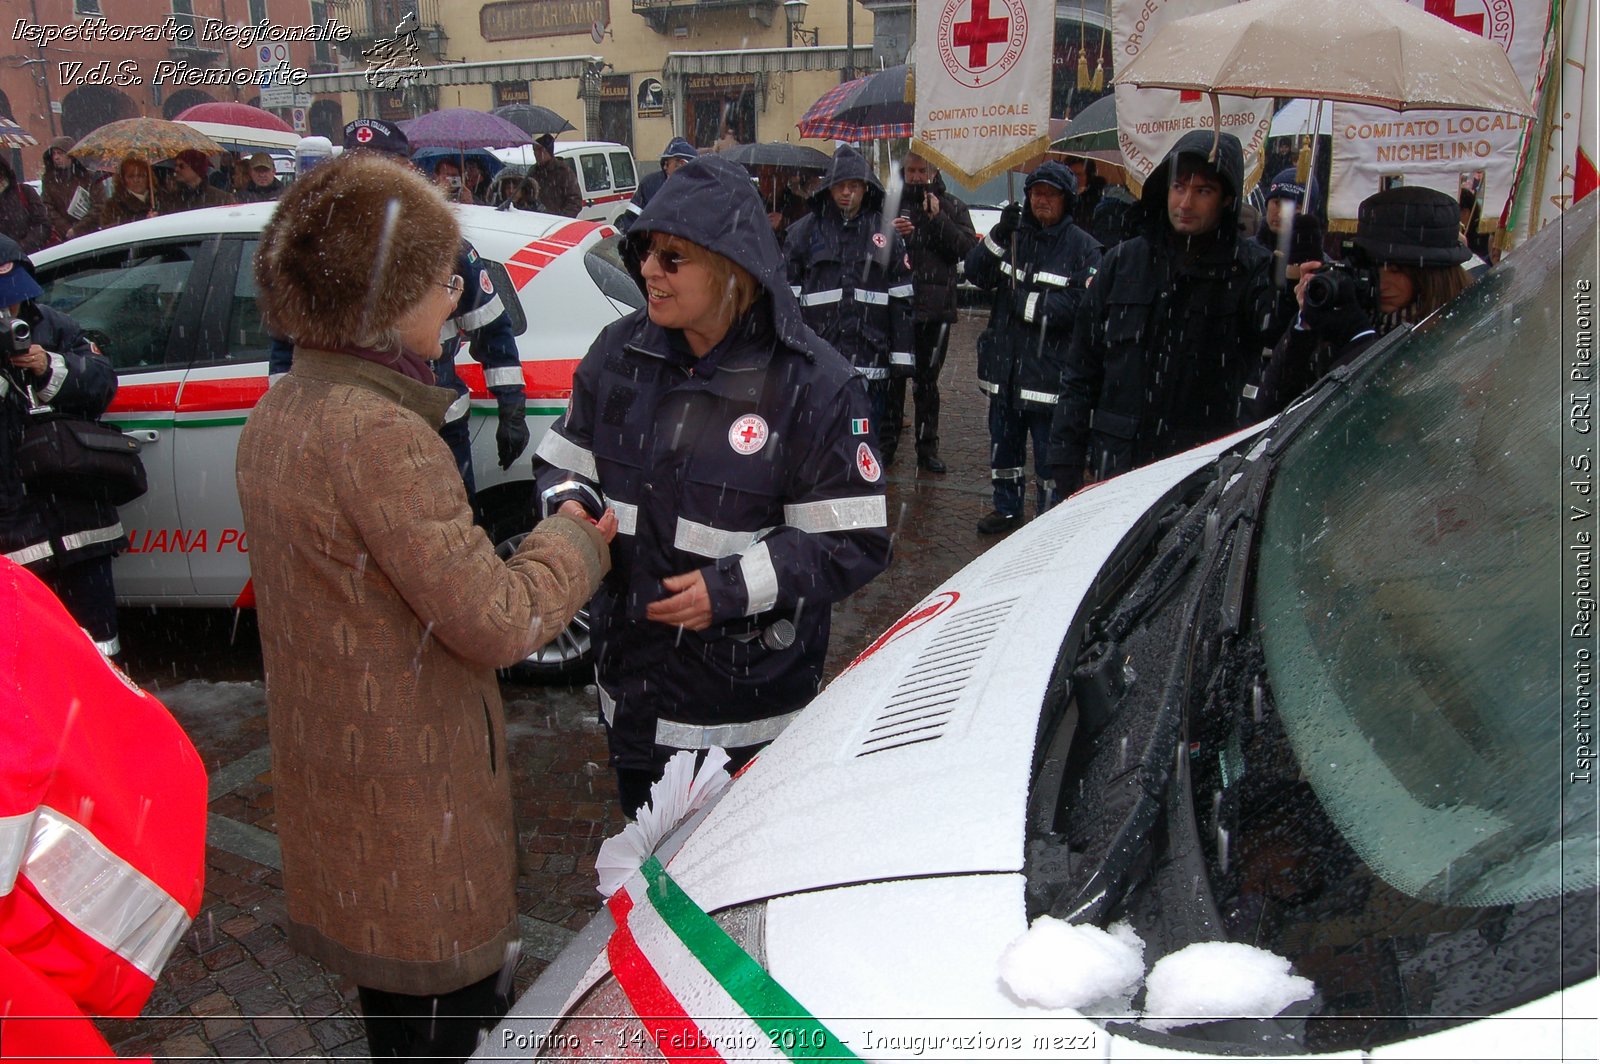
point(556, 68)
point(767, 60)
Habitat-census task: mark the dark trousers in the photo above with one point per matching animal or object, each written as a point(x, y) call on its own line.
point(85, 589)
point(932, 340)
point(1009, 430)
point(458, 434)
point(437, 1026)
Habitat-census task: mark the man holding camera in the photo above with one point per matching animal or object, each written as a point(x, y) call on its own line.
point(937, 229)
point(64, 535)
point(1173, 326)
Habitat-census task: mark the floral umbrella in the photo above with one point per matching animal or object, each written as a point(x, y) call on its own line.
point(150, 139)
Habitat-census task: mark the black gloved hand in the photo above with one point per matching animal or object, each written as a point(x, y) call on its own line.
point(512, 435)
point(1010, 218)
point(1332, 309)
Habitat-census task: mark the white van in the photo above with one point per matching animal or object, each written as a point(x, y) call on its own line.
point(606, 173)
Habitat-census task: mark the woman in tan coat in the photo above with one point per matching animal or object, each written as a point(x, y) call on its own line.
point(384, 612)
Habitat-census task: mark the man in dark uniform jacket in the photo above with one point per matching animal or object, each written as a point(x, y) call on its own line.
point(1174, 325)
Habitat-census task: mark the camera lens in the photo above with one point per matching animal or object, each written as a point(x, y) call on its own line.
point(1321, 290)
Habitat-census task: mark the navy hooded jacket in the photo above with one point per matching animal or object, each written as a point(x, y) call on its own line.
point(1171, 331)
point(1037, 282)
point(752, 464)
point(853, 275)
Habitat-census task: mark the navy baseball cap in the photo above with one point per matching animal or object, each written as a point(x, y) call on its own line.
point(16, 275)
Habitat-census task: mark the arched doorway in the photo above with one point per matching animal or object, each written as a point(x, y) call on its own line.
point(184, 99)
point(86, 109)
point(326, 119)
point(5, 107)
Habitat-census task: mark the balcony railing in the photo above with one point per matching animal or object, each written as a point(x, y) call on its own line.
point(375, 20)
point(662, 14)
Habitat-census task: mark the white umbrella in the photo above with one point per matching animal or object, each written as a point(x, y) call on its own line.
point(1295, 119)
point(1382, 52)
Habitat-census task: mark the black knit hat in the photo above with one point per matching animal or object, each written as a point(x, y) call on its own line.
point(1413, 226)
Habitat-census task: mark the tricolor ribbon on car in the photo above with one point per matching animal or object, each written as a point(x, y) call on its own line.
point(663, 951)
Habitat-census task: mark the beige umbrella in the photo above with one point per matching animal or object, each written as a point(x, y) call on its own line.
point(1381, 52)
point(150, 139)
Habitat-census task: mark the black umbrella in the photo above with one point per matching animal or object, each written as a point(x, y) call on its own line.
point(780, 154)
point(533, 119)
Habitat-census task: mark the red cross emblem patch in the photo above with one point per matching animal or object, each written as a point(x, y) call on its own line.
point(867, 464)
point(364, 134)
point(981, 40)
point(880, 240)
point(748, 434)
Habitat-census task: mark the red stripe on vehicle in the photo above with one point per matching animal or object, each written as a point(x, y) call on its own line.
point(667, 1021)
point(610, 199)
point(231, 393)
point(247, 597)
point(142, 398)
point(543, 380)
point(524, 265)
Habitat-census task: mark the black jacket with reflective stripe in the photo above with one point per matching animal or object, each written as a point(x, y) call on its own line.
point(1033, 306)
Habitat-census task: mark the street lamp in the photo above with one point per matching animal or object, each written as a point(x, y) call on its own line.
point(794, 13)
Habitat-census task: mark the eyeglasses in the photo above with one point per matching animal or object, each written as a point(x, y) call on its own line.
point(453, 285)
point(669, 261)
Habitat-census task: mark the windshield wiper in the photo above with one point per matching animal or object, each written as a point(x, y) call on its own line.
point(1220, 534)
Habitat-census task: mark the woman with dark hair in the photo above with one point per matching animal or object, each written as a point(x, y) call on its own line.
point(1407, 257)
point(23, 216)
point(384, 612)
point(736, 448)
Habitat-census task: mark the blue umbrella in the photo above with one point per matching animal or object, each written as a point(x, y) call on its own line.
point(428, 158)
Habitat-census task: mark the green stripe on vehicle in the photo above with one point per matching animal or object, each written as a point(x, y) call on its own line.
point(793, 1030)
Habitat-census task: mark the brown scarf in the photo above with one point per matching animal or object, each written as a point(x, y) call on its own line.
point(405, 362)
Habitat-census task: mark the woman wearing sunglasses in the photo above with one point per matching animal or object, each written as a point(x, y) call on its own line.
point(735, 448)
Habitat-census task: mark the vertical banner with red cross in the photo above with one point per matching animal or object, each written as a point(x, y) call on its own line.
point(1375, 148)
point(983, 84)
point(1150, 121)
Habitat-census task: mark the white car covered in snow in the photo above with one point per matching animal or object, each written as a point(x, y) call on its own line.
point(171, 301)
point(1267, 749)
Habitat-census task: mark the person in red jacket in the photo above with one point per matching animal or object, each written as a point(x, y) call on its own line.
point(102, 832)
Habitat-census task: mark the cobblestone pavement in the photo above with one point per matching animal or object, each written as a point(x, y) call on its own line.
point(233, 989)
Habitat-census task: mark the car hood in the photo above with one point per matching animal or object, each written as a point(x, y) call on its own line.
point(916, 760)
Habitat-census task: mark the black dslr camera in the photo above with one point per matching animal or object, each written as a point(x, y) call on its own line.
point(1335, 282)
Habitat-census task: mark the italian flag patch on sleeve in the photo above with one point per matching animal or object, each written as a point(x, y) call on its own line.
point(859, 426)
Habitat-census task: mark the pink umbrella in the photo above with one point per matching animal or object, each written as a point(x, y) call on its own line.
point(234, 114)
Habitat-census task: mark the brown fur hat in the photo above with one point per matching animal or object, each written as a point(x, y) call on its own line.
point(335, 267)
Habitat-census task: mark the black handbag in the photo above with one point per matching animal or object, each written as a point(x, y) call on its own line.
point(65, 455)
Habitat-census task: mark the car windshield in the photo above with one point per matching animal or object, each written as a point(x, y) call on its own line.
point(1410, 598)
